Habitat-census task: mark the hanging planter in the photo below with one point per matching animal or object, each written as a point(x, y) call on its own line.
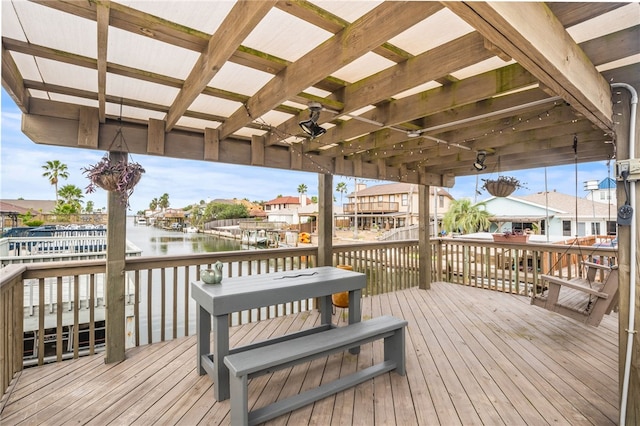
point(120, 176)
point(503, 186)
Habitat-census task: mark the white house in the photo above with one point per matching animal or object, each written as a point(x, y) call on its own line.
point(553, 212)
point(287, 209)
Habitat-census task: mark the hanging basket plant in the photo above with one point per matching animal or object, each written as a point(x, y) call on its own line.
point(503, 186)
point(120, 176)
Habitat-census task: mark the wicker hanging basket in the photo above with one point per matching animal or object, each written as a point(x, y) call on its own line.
point(499, 188)
point(503, 186)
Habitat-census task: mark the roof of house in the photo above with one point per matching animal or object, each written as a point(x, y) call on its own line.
point(287, 200)
point(607, 183)
point(565, 205)
point(22, 206)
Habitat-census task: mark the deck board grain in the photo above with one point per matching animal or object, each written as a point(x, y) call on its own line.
point(473, 356)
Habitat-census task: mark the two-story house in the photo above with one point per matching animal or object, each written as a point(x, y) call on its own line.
point(393, 205)
point(286, 209)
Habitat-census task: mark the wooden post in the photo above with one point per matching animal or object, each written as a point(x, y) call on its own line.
point(115, 275)
point(325, 219)
point(424, 242)
point(624, 261)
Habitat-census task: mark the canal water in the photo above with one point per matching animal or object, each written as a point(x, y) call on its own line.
point(161, 242)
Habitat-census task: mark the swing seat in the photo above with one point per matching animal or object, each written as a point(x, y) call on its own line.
point(583, 299)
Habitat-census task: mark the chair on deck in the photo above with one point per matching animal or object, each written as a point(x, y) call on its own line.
point(583, 299)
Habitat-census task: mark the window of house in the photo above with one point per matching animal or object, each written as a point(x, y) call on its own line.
point(611, 227)
point(441, 201)
point(392, 198)
point(595, 228)
point(566, 228)
point(405, 199)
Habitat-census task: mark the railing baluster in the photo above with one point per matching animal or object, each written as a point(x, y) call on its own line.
point(136, 307)
point(186, 300)
point(76, 313)
point(149, 306)
point(59, 346)
point(92, 314)
point(163, 302)
point(41, 302)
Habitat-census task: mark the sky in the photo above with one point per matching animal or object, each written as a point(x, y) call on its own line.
point(189, 181)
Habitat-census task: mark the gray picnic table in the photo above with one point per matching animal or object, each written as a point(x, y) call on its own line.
point(216, 301)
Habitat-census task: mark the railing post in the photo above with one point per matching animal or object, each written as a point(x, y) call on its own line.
point(424, 243)
point(11, 326)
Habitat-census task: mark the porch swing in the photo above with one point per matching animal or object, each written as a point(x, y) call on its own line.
point(589, 296)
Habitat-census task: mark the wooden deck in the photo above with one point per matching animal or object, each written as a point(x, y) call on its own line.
point(473, 357)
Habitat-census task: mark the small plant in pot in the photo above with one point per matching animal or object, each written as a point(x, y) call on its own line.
point(120, 176)
point(503, 186)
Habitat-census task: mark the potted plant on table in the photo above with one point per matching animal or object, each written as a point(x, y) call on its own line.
point(511, 237)
point(503, 186)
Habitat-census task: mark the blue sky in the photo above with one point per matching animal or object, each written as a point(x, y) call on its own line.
point(188, 181)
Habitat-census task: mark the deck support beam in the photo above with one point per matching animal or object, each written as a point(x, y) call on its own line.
point(115, 273)
point(625, 259)
point(325, 219)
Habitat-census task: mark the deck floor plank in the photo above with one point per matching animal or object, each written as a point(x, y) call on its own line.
point(473, 357)
point(551, 360)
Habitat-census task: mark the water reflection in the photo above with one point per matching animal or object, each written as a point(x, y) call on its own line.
point(160, 242)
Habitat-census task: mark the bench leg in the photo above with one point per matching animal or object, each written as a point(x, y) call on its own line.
point(239, 401)
point(394, 350)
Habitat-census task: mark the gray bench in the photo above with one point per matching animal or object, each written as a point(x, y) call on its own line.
point(265, 359)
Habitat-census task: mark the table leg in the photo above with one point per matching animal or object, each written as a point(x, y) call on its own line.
point(325, 310)
point(203, 324)
point(220, 350)
point(355, 312)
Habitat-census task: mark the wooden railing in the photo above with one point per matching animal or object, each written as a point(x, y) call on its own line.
point(372, 207)
point(512, 268)
point(66, 299)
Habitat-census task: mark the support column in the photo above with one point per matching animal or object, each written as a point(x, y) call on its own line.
point(325, 219)
point(424, 241)
point(115, 275)
point(624, 258)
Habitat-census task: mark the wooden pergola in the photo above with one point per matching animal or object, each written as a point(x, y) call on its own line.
point(401, 91)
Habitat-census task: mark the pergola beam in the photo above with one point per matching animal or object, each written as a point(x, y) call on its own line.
point(364, 35)
point(236, 26)
point(531, 34)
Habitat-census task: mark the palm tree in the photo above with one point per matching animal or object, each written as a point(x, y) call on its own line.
point(302, 189)
point(164, 201)
point(71, 196)
point(153, 205)
point(342, 189)
point(464, 216)
point(55, 170)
